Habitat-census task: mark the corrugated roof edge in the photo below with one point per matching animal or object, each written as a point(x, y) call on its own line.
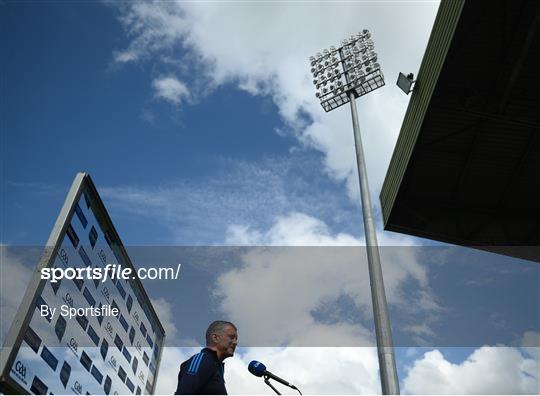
point(437, 48)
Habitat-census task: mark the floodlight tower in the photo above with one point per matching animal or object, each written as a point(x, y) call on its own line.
point(341, 75)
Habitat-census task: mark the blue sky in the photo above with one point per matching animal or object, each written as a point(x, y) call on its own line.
point(199, 125)
point(72, 109)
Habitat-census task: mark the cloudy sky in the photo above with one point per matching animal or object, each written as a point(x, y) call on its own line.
point(199, 125)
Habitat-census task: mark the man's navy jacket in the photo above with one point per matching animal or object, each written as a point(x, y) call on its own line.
point(201, 374)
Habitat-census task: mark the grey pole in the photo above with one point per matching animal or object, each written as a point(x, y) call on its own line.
point(385, 349)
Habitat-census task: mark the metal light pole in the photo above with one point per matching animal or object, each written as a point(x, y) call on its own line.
point(340, 76)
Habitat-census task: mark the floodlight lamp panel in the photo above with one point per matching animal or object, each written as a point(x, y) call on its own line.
point(404, 83)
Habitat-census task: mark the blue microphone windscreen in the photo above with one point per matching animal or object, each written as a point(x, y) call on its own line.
point(256, 368)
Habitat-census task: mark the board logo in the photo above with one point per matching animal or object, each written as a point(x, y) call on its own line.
point(74, 346)
point(106, 293)
point(20, 372)
point(20, 368)
point(77, 387)
point(112, 362)
point(136, 317)
point(102, 257)
point(109, 329)
point(63, 256)
point(68, 299)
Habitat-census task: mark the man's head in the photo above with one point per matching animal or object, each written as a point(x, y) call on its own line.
point(222, 337)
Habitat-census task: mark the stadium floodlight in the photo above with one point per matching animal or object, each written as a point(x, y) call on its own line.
point(354, 73)
point(355, 57)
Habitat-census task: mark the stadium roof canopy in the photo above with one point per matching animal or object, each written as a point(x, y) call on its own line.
point(466, 166)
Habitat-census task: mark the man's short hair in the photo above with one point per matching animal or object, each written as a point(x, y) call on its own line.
point(216, 327)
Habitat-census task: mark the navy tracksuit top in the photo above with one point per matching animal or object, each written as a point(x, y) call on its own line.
point(201, 374)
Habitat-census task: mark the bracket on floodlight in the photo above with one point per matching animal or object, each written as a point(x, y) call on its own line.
point(405, 82)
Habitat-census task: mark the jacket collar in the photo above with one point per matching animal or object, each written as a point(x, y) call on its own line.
point(211, 353)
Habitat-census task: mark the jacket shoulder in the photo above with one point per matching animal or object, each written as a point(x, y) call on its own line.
point(198, 364)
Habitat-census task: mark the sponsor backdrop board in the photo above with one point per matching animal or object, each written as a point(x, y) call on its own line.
point(53, 354)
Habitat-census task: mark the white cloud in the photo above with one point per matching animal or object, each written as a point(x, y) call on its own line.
point(258, 294)
point(488, 370)
point(164, 312)
point(170, 89)
point(294, 229)
point(263, 48)
point(247, 194)
point(313, 370)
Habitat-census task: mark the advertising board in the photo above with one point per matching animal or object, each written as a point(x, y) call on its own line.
point(115, 346)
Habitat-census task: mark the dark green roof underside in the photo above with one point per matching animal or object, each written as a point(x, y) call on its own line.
point(466, 166)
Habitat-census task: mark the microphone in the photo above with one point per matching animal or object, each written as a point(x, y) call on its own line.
point(259, 370)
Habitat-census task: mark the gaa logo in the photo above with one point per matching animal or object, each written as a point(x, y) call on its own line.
point(102, 256)
point(77, 387)
point(73, 345)
point(136, 316)
point(20, 369)
point(141, 376)
point(68, 300)
point(138, 346)
point(109, 328)
point(106, 293)
point(63, 256)
point(112, 362)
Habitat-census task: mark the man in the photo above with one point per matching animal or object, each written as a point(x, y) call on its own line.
point(202, 374)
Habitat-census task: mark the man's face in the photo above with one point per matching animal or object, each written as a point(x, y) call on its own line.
point(226, 341)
